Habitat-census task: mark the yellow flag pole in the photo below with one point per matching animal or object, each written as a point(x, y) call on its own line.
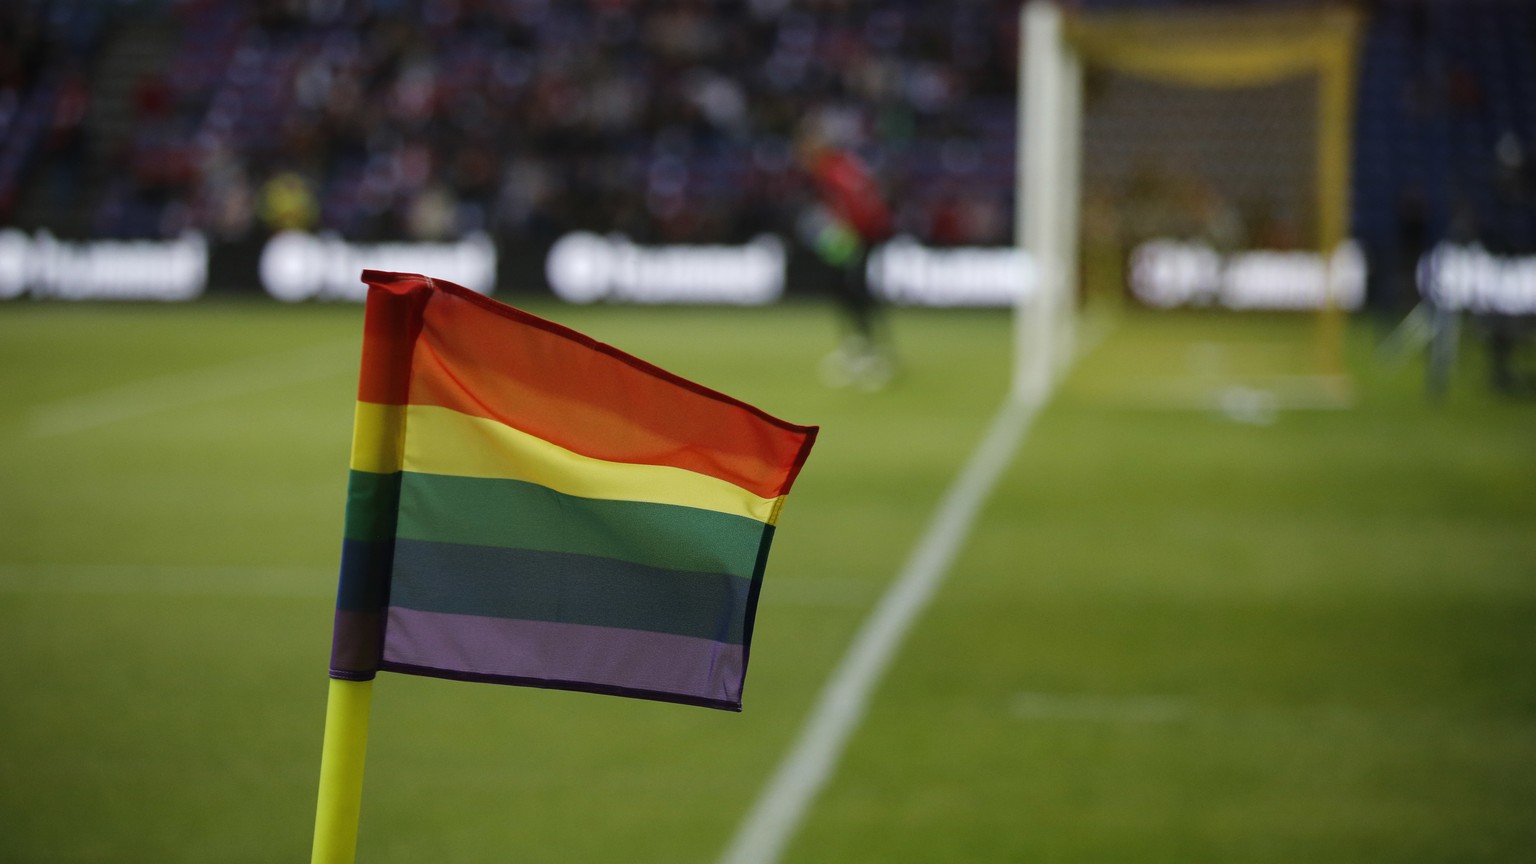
point(341, 771)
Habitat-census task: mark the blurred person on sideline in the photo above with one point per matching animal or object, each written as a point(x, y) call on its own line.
point(847, 218)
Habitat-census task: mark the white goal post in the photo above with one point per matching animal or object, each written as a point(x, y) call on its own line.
point(1214, 48)
point(1049, 116)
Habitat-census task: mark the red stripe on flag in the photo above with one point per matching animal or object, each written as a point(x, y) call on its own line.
point(391, 323)
point(483, 358)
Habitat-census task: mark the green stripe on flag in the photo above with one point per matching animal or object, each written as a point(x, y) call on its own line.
point(565, 588)
point(518, 515)
point(372, 500)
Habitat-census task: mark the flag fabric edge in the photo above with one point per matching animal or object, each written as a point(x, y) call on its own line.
point(409, 294)
point(384, 278)
point(557, 684)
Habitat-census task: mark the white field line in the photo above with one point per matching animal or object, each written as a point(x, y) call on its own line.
point(1090, 708)
point(781, 806)
point(193, 387)
point(1285, 392)
point(805, 769)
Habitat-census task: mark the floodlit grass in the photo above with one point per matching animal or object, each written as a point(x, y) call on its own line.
point(1175, 637)
point(1284, 632)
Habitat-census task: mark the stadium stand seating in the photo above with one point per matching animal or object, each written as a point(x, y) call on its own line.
point(670, 122)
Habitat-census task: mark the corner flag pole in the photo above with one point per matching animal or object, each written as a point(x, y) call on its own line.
point(341, 771)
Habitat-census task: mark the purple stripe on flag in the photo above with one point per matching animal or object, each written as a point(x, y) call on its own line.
point(355, 644)
point(562, 656)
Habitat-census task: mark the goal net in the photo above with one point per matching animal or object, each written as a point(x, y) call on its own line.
point(1185, 157)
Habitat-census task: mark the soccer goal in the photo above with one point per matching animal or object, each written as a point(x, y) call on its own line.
point(1185, 157)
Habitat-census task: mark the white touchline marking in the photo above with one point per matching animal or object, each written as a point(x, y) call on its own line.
point(780, 808)
point(189, 388)
point(802, 773)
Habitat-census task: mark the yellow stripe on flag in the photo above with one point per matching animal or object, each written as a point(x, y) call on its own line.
point(378, 437)
point(444, 441)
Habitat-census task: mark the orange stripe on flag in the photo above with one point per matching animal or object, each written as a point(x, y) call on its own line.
point(482, 358)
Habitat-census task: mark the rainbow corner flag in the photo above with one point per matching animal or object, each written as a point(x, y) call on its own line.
point(527, 505)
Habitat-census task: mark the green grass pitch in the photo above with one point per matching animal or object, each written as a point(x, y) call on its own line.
point(1293, 630)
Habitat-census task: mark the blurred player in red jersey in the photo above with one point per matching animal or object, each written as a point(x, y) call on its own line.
point(848, 219)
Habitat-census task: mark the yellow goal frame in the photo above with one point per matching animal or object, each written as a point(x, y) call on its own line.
point(1212, 47)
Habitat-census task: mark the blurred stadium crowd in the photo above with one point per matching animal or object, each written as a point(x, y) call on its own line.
point(427, 119)
point(666, 121)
